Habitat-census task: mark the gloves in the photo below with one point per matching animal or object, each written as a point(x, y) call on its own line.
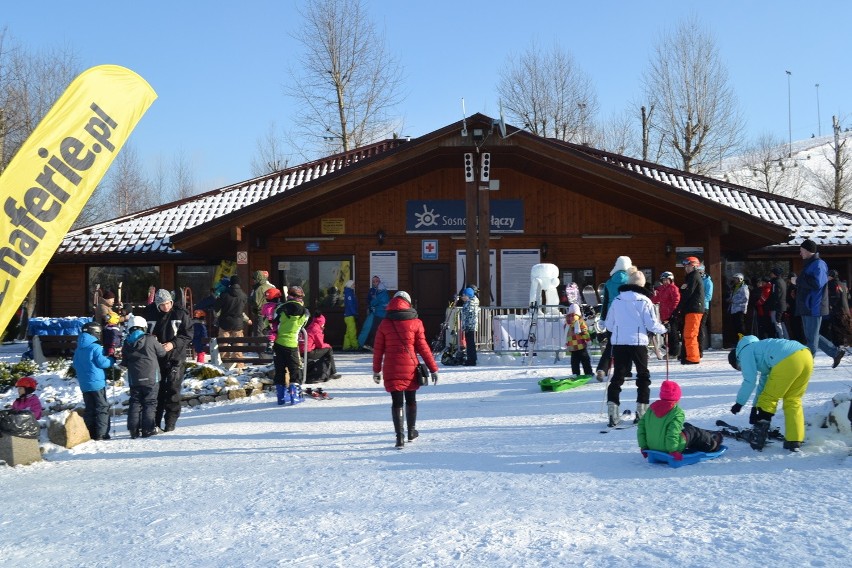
point(435, 377)
point(735, 409)
point(644, 453)
point(377, 378)
point(677, 456)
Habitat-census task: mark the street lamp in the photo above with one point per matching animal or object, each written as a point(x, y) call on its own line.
point(789, 119)
point(819, 124)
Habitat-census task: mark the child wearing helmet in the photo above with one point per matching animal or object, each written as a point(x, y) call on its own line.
point(199, 335)
point(140, 355)
point(89, 363)
point(27, 399)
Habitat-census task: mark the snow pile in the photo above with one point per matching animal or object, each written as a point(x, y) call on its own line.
point(502, 474)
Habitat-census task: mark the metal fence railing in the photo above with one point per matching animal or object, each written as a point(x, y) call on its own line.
point(507, 329)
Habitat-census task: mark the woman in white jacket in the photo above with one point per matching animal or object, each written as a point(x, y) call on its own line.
point(630, 318)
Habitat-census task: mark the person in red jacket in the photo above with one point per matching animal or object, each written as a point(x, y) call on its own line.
point(399, 339)
point(667, 296)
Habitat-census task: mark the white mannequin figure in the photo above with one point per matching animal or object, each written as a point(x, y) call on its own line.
point(544, 277)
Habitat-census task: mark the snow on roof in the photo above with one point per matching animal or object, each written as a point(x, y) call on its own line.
point(150, 231)
point(804, 220)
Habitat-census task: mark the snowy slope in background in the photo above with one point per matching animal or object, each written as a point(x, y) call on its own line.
point(502, 475)
point(810, 157)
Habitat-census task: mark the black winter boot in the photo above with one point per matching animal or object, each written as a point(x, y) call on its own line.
point(760, 432)
point(411, 419)
point(398, 416)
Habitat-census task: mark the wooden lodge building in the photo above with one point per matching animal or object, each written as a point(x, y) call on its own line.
point(408, 210)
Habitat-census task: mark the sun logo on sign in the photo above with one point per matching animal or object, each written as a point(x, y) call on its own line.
point(427, 218)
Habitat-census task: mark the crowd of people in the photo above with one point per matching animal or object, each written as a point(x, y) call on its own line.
point(790, 320)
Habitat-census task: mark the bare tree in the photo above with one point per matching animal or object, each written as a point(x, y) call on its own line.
point(270, 154)
point(765, 166)
point(616, 135)
point(30, 83)
point(696, 109)
point(834, 185)
point(349, 84)
point(184, 178)
point(130, 191)
point(548, 93)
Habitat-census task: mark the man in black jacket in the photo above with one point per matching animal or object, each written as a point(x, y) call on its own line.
point(171, 328)
point(691, 309)
point(231, 305)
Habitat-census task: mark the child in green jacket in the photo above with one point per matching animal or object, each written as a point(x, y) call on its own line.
point(662, 428)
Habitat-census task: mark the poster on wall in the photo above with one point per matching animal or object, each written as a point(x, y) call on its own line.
point(384, 264)
point(515, 267)
point(463, 267)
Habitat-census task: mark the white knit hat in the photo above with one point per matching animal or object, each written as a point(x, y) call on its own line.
point(621, 263)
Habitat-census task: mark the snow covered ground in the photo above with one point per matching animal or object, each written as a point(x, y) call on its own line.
point(502, 475)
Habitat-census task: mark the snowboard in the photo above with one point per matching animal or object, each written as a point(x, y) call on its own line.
point(550, 384)
point(365, 330)
point(655, 456)
point(590, 297)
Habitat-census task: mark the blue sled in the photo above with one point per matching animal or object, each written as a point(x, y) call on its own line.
point(655, 456)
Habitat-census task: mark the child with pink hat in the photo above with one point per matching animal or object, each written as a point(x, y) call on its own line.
point(663, 428)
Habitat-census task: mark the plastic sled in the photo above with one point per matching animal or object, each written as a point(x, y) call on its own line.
point(655, 456)
point(550, 384)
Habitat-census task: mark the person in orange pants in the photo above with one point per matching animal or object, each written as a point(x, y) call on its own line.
point(781, 370)
point(691, 308)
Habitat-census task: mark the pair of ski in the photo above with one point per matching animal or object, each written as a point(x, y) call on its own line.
point(317, 394)
point(745, 434)
point(624, 423)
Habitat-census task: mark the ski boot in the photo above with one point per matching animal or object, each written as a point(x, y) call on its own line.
point(641, 408)
point(295, 394)
point(613, 414)
point(759, 434)
point(283, 394)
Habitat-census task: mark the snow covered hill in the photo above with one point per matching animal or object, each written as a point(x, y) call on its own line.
point(502, 475)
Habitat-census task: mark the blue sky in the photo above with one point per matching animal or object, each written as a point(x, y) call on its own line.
point(219, 67)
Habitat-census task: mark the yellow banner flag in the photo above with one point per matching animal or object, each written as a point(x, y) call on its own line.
point(55, 171)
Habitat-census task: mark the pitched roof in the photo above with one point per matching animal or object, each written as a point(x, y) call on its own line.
point(823, 225)
point(151, 231)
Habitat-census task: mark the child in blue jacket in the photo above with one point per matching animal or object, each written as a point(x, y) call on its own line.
point(89, 364)
point(780, 369)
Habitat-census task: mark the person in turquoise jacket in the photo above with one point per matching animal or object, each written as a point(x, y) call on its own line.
point(703, 334)
point(89, 364)
point(617, 278)
point(779, 369)
point(663, 427)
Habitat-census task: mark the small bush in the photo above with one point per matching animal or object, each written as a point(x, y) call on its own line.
point(10, 373)
point(205, 372)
